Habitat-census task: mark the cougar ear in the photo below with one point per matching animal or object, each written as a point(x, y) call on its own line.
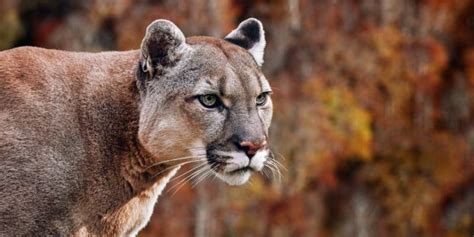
point(249, 35)
point(162, 46)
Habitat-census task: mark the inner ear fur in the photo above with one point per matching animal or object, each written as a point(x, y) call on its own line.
point(162, 46)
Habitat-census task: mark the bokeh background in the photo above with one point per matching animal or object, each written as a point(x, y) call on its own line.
point(374, 110)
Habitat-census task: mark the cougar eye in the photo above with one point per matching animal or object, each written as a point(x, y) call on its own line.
point(209, 100)
point(262, 99)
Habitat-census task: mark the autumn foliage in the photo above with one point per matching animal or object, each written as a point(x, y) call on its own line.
point(374, 110)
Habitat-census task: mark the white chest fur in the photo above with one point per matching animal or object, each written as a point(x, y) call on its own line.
point(130, 218)
point(141, 207)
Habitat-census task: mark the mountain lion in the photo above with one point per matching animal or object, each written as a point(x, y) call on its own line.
point(89, 140)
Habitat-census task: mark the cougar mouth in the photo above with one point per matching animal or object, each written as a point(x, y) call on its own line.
point(239, 171)
point(235, 168)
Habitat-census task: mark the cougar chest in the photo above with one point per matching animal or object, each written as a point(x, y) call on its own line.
point(135, 214)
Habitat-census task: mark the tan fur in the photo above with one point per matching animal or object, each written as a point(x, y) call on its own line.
point(86, 139)
point(40, 97)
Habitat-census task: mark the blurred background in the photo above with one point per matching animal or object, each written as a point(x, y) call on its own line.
point(374, 110)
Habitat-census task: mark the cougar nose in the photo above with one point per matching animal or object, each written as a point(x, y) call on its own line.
point(250, 148)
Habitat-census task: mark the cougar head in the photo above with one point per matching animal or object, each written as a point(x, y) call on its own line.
point(206, 100)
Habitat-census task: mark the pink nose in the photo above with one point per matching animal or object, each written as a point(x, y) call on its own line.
point(251, 148)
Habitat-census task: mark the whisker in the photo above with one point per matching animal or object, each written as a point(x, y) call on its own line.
point(279, 164)
point(270, 163)
point(275, 169)
point(271, 169)
point(187, 174)
point(214, 178)
point(264, 173)
point(206, 175)
point(202, 178)
point(175, 159)
point(180, 164)
point(275, 88)
point(281, 155)
point(211, 168)
point(180, 184)
point(189, 171)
